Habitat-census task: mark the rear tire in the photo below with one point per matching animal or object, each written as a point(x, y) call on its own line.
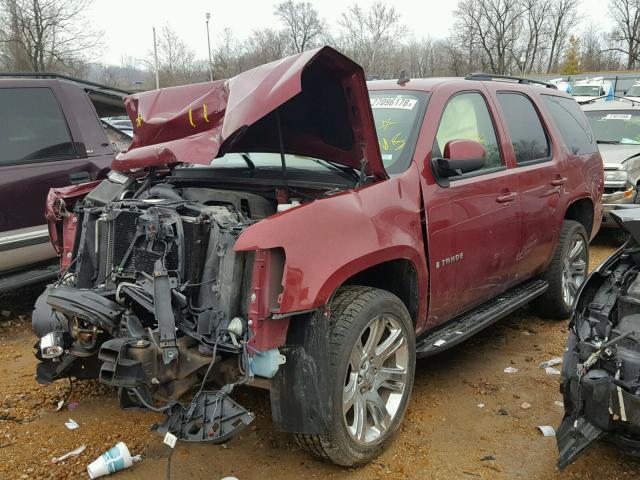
point(372, 356)
point(567, 272)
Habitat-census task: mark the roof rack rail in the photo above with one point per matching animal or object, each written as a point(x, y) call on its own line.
point(59, 76)
point(507, 78)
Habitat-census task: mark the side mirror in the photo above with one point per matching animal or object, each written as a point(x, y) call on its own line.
point(460, 157)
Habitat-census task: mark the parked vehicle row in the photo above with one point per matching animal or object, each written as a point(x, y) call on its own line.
point(289, 229)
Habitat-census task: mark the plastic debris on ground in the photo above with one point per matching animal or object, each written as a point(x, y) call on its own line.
point(558, 403)
point(481, 405)
point(115, 459)
point(59, 405)
point(72, 405)
point(510, 370)
point(71, 424)
point(552, 371)
point(547, 430)
point(525, 406)
point(70, 454)
point(550, 363)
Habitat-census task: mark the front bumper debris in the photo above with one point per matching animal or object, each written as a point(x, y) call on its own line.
point(601, 367)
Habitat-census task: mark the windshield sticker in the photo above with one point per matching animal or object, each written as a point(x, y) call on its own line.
point(618, 116)
point(395, 102)
point(387, 156)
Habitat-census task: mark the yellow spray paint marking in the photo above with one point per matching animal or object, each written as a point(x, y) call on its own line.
point(205, 112)
point(139, 120)
point(398, 142)
point(191, 118)
point(386, 124)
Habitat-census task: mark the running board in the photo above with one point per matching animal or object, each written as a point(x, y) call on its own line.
point(470, 323)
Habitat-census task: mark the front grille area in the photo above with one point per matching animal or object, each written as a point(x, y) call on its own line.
point(123, 231)
point(610, 190)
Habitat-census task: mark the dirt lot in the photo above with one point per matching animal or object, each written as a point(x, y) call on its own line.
point(445, 435)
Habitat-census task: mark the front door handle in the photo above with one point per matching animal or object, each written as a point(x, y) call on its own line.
point(559, 181)
point(507, 197)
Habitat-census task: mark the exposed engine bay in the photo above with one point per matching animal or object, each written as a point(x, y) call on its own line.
point(155, 300)
point(601, 368)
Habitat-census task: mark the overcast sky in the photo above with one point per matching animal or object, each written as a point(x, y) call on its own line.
point(127, 24)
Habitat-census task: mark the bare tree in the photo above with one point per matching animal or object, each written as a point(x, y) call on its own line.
point(496, 26)
point(303, 23)
point(626, 15)
point(564, 17)
point(370, 37)
point(536, 22)
point(48, 34)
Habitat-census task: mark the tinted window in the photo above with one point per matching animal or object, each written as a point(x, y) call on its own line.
point(33, 127)
point(397, 117)
point(523, 123)
point(466, 117)
point(572, 124)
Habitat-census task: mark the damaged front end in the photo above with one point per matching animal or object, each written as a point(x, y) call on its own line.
point(157, 302)
point(601, 370)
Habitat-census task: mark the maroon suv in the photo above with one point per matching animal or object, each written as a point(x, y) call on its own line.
point(51, 135)
point(289, 229)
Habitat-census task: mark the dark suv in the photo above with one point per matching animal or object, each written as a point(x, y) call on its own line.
point(297, 229)
point(51, 136)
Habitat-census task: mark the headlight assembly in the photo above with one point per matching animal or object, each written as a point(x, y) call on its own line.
point(615, 175)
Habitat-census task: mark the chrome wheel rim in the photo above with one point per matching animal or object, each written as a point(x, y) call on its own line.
point(376, 379)
point(574, 269)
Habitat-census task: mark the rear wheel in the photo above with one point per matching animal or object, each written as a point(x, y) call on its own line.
point(567, 272)
point(372, 361)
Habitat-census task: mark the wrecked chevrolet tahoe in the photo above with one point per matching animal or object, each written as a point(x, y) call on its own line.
point(296, 229)
point(601, 368)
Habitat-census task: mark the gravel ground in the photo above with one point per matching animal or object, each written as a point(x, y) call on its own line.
point(445, 435)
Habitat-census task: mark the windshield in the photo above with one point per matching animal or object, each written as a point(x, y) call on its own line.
point(587, 91)
point(272, 160)
point(634, 91)
point(621, 126)
point(397, 118)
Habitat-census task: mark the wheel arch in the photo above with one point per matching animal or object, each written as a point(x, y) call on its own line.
point(581, 210)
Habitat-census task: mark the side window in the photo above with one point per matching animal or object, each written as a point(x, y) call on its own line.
point(466, 117)
point(33, 126)
point(572, 123)
point(527, 134)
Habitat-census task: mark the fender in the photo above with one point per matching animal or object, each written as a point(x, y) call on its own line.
point(328, 240)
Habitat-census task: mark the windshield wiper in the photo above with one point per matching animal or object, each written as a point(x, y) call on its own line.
point(608, 142)
point(337, 167)
point(247, 158)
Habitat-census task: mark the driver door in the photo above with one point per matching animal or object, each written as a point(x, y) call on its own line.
point(473, 225)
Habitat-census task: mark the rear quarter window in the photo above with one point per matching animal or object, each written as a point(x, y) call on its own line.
point(572, 123)
point(33, 126)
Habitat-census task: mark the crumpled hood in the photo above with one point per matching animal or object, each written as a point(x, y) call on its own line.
point(320, 97)
point(613, 155)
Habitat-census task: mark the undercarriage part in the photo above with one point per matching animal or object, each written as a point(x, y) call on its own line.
point(164, 313)
point(212, 416)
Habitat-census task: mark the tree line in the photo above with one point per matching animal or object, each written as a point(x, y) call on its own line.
point(497, 36)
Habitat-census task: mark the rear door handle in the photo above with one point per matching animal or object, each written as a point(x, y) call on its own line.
point(559, 181)
point(507, 197)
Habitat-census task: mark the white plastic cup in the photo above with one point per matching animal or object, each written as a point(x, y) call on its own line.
point(115, 459)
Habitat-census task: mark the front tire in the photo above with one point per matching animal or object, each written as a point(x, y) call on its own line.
point(567, 272)
point(372, 357)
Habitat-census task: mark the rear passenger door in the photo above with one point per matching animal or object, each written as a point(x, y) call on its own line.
point(540, 184)
point(474, 224)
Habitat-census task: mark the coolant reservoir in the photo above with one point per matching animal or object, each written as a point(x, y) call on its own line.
point(266, 364)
